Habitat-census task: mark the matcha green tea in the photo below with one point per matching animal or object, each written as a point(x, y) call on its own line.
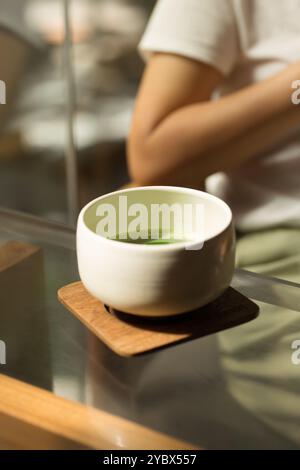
point(166, 239)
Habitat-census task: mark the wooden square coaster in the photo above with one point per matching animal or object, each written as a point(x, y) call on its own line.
point(129, 335)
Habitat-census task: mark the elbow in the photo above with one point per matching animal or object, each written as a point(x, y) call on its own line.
point(140, 176)
point(140, 179)
point(139, 163)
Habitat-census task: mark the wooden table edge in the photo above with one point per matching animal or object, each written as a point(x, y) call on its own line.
point(33, 418)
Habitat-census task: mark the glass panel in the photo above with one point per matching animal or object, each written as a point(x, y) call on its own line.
point(107, 70)
point(33, 126)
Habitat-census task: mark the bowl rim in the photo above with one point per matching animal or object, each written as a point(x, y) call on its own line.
point(141, 247)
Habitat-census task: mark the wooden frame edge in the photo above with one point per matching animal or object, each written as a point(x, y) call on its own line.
point(33, 418)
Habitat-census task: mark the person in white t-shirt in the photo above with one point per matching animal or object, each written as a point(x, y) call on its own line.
point(246, 54)
point(215, 105)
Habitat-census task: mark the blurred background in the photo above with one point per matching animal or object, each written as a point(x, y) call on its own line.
point(33, 124)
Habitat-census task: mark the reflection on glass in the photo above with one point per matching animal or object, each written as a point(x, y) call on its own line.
point(258, 359)
point(33, 122)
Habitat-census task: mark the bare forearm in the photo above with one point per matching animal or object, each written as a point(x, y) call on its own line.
point(202, 138)
point(254, 143)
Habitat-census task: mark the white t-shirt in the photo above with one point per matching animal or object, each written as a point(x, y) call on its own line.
point(247, 40)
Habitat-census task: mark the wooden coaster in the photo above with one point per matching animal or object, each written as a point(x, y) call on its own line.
point(129, 335)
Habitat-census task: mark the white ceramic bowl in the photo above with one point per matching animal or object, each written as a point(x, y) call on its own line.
point(157, 280)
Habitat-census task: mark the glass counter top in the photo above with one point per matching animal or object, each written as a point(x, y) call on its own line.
point(236, 389)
